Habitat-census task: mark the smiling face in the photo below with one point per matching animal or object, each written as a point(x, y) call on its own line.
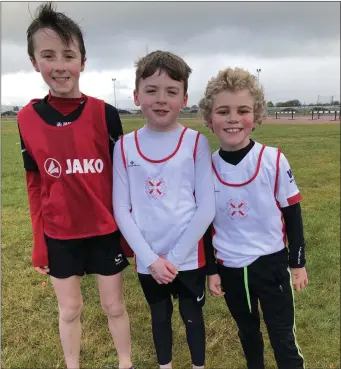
point(161, 98)
point(60, 65)
point(232, 118)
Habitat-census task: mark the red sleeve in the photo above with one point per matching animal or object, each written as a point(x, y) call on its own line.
point(39, 253)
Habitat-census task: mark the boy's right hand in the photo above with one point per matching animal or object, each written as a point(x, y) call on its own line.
point(42, 270)
point(214, 285)
point(163, 271)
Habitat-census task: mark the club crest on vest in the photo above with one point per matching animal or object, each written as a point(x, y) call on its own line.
point(155, 187)
point(237, 209)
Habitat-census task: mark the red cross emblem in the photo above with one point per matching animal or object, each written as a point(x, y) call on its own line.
point(155, 187)
point(237, 209)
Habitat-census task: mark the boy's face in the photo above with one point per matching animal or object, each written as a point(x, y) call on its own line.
point(161, 98)
point(232, 118)
point(60, 65)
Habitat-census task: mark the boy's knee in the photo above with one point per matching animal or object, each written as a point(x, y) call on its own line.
point(114, 309)
point(191, 313)
point(70, 312)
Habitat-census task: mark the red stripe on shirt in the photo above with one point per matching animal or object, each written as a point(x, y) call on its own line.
point(294, 199)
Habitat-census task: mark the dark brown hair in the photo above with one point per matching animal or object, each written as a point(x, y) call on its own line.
point(64, 26)
point(163, 61)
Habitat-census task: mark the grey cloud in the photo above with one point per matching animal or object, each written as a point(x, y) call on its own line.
point(117, 33)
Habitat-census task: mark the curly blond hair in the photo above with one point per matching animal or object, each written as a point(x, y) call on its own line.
point(234, 80)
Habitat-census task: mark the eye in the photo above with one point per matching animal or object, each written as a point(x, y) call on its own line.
point(69, 57)
point(222, 112)
point(150, 91)
point(172, 92)
point(244, 111)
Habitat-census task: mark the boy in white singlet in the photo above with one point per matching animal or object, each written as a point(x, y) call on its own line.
point(164, 202)
point(257, 210)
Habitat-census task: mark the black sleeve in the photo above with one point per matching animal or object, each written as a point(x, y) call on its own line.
point(294, 229)
point(114, 126)
point(211, 262)
point(29, 163)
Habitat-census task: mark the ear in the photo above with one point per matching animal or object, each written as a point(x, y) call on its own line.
point(210, 125)
point(185, 101)
point(83, 64)
point(136, 98)
point(35, 65)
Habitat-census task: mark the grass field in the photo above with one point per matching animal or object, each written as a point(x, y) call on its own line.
point(29, 309)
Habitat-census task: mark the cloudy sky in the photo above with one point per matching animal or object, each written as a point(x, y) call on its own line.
point(295, 44)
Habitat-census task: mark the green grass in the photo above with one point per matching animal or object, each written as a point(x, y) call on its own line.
point(29, 310)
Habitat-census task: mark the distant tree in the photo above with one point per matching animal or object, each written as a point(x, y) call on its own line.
point(335, 102)
point(293, 103)
point(9, 113)
point(15, 108)
point(194, 107)
point(289, 103)
point(270, 104)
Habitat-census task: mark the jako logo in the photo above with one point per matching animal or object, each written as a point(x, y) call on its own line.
point(89, 166)
point(54, 169)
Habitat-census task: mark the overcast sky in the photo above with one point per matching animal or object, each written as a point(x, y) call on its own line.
point(295, 44)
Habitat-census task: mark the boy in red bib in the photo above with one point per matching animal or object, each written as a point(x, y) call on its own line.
point(257, 210)
point(67, 142)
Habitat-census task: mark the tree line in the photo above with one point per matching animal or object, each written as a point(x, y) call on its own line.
point(297, 103)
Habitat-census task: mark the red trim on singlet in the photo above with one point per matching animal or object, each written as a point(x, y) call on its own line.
point(161, 160)
point(245, 183)
point(122, 153)
point(201, 253)
point(196, 146)
point(277, 173)
point(277, 202)
point(129, 253)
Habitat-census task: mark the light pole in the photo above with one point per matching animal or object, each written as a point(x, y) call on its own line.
point(258, 71)
point(114, 80)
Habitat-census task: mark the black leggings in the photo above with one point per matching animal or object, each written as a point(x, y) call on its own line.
point(267, 280)
point(161, 314)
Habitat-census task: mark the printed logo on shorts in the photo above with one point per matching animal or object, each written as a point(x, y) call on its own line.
point(237, 209)
point(118, 259)
point(155, 187)
point(52, 167)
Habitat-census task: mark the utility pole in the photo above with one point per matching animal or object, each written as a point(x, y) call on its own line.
point(114, 80)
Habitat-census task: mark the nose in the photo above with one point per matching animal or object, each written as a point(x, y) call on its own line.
point(233, 117)
point(60, 65)
point(161, 97)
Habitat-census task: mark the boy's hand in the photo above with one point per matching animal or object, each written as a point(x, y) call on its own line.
point(299, 278)
point(42, 270)
point(163, 271)
point(214, 285)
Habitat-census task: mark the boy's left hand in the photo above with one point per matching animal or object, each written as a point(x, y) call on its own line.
point(299, 278)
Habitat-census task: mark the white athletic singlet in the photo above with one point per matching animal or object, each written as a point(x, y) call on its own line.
point(162, 194)
point(249, 221)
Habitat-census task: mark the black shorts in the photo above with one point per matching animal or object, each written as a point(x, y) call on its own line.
point(188, 284)
point(93, 255)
